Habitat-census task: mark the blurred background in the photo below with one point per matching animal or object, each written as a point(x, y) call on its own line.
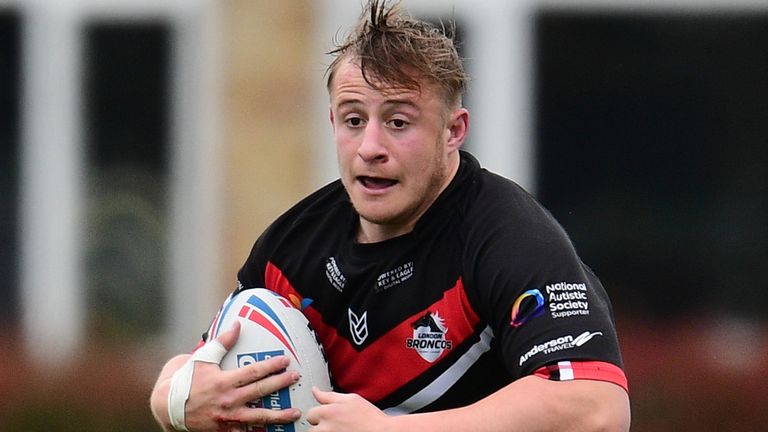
point(145, 145)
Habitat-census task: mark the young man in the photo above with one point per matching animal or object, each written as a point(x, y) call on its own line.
point(445, 297)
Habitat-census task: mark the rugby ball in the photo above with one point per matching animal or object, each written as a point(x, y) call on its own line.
point(270, 326)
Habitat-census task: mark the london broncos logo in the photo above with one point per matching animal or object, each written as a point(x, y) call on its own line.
point(429, 337)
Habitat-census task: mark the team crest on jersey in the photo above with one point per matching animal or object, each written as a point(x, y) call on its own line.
point(429, 337)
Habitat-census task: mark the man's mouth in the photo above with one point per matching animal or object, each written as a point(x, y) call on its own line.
point(376, 183)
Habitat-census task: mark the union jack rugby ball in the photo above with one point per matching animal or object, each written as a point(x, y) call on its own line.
point(270, 325)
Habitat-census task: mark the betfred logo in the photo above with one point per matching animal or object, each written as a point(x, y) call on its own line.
point(278, 400)
point(429, 337)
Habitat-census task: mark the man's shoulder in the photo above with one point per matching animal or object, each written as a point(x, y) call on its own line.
point(488, 187)
point(499, 208)
point(500, 197)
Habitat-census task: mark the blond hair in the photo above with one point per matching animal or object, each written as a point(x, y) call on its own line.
point(395, 50)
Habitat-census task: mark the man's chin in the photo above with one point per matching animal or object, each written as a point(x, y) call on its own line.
point(377, 218)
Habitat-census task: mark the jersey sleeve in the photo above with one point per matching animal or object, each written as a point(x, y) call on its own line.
point(543, 304)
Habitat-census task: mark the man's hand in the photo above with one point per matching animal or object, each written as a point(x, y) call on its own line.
point(340, 412)
point(529, 404)
point(217, 399)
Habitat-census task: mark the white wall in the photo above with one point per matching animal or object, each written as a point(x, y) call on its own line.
point(54, 309)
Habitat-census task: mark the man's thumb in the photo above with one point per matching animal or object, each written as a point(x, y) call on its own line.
point(229, 337)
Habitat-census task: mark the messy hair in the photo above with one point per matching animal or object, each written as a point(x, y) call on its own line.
point(395, 50)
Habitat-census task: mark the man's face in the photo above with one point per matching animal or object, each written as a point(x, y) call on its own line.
point(397, 150)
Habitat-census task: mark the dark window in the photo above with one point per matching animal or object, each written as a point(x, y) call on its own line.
point(10, 93)
point(127, 139)
point(652, 141)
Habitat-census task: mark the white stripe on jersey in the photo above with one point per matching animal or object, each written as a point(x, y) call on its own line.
point(447, 379)
point(566, 370)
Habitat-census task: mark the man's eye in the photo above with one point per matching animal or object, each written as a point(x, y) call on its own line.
point(354, 121)
point(398, 123)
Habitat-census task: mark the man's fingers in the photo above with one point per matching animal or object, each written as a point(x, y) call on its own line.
point(257, 370)
point(258, 380)
point(267, 386)
point(229, 337)
point(262, 416)
point(326, 397)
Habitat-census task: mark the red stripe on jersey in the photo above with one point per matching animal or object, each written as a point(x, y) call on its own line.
point(386, 364)
point(275, 280)
point(592, 370)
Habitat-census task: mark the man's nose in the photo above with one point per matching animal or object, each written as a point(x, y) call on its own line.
point(372, 147)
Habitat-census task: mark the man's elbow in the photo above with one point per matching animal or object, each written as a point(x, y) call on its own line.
point(611, 413)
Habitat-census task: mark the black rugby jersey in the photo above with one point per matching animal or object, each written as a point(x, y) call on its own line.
point(486, 289)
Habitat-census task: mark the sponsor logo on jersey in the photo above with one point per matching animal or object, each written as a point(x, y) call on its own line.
point(429, 339)
point(393, 277)
point(558, 344)
point(528, 305)
point(334, 274)
point(562, 299)
point(358, 326)
point(566, 299)
point(278, 400)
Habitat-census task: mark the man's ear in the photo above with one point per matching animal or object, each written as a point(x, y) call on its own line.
point(457, 128)
point(330, 117)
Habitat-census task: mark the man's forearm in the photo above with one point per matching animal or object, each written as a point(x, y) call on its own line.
point(533, 404)
point(159, 398)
